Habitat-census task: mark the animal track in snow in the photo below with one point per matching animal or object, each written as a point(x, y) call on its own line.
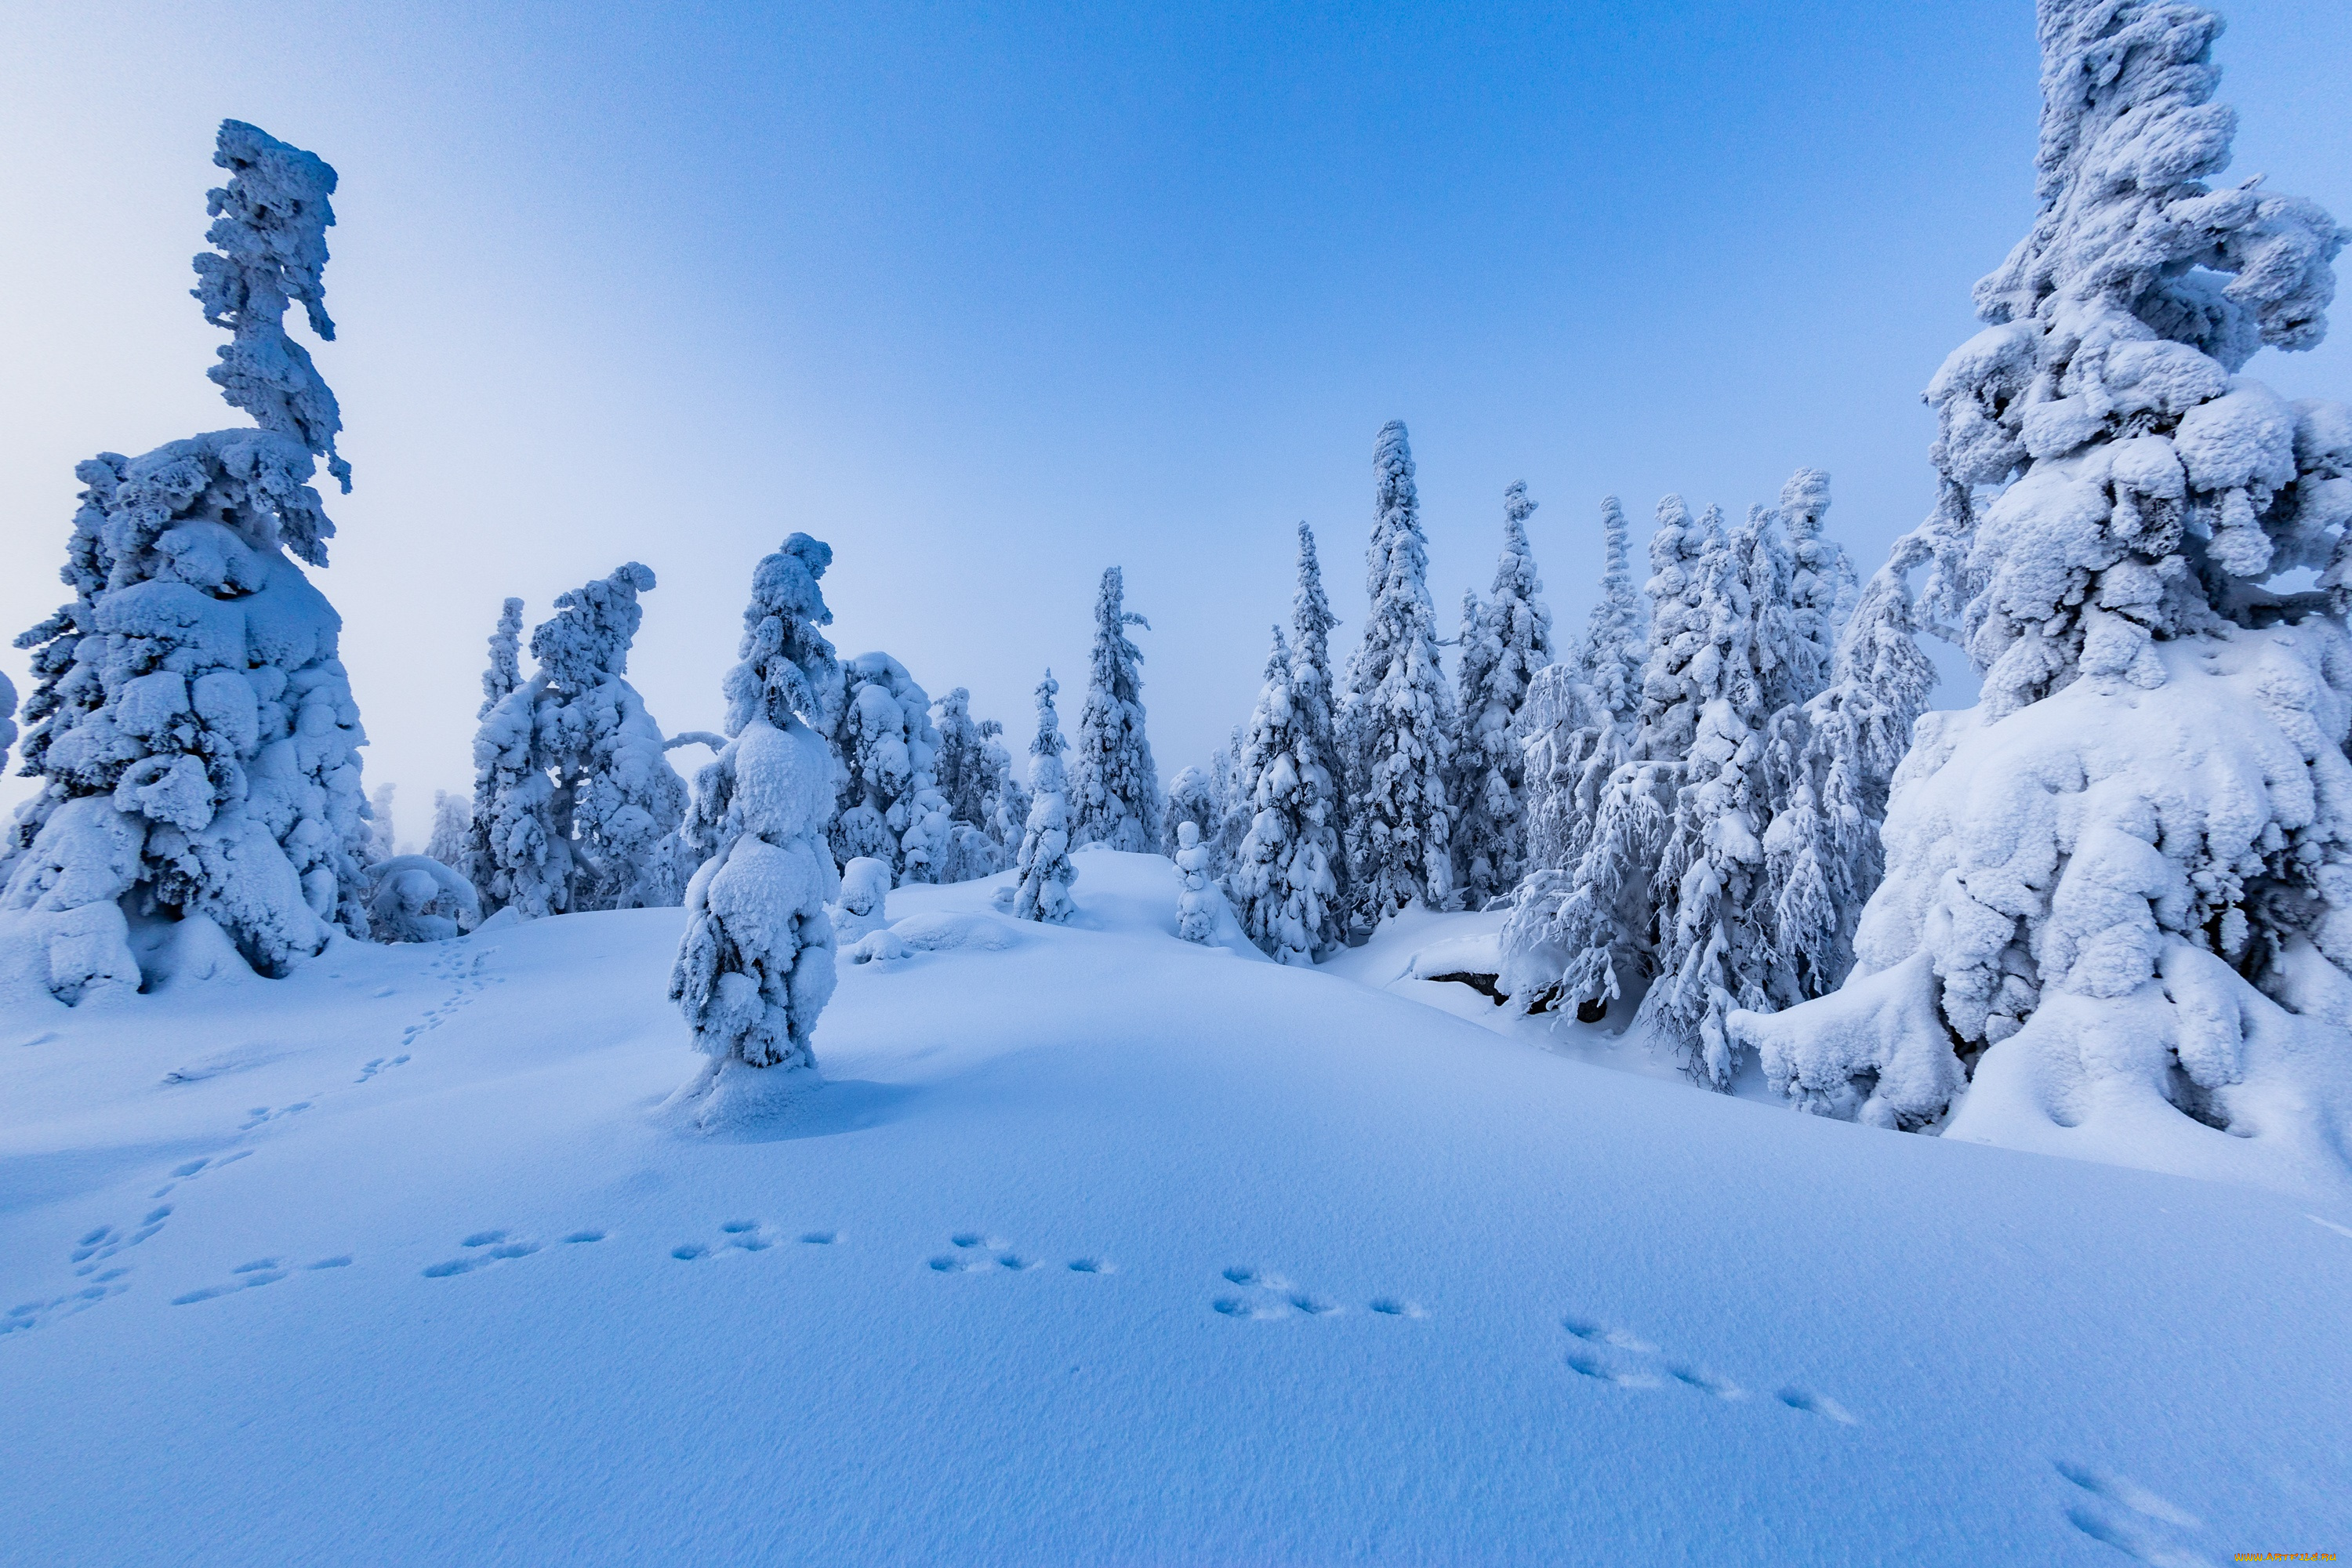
point(378, 1063)
point(486, 1247)
point(263, 1113)
point(744, 1236)
point(195, 1168)
point(1607, 1353)
point(977, 1252)
point(2133, 1520)
point(259, 1272)
point(1271, 1296)
point(463, 973)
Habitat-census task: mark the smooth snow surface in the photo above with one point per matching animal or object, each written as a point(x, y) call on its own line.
point(1103, 1247)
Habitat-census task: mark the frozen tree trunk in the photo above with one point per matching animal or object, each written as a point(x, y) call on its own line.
point(193, 725)
point(2122, 884)
point(1042, 891)
point(755, 967)
point(1115, 793)
point(1399, 714)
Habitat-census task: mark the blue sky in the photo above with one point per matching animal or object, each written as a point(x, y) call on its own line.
point(992, 297)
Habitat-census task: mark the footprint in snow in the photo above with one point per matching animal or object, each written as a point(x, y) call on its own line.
point(2133, 1520)
point(487, 1247)
point(378, 1063)
point(1618, 1356)
point(259, 1272)
point(1269, 1295)
point(195, 1168)
point(976, 1252)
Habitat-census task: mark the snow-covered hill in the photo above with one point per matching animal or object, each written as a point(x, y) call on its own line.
point(1098, 1246)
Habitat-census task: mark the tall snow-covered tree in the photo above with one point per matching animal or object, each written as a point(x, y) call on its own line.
point(2122, 884)
point(755, 965)
point(1314, 698)
point(891, 806)
point(1581, 715)
point(192, 724)
point(1501, 652)
point(488, 839)
point(1398, 714)
point(1280, 882)
point(382, 840)
point(504, 672)
point(578, 806)
point(959, 768)
point(1043, 892)
point(453, 832)
point(1115, 793)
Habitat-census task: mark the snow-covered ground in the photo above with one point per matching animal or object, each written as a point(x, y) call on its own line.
point(1098, 1246)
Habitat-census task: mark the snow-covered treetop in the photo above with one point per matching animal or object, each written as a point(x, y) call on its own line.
point(269, 230)
point(1609, 662)
point(588, 638)
point(1311, 619)
point(505, 671)
point(1049, 744)
point(2129, 130)
point(1397, 561)
point(788, 668)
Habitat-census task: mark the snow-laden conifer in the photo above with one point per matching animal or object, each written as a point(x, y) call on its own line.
point(1196, 899)
point(1510, 641)
point(1280, 881)
point(966, 776)
point(1043, 892)
point(192, 724)
point(2119, 883)
point(577, 805)
point(504, 672)
point(1314, 704)
point(891, 806)
point(755, 965)
point(1398, 712)
point(1191, 797)
point(382, 840)
point(453, 832)
point(1114, 791)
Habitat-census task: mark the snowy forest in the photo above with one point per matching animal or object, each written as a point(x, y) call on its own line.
point(1715, 836)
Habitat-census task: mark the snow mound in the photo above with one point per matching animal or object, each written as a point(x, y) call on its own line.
point(934, 932)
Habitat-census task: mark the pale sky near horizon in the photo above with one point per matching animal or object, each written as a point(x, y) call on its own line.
point(990, 297)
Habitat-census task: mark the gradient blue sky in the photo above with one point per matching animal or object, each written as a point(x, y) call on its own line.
point(990, 297)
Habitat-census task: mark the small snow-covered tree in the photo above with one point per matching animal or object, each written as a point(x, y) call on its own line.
point(1043, 892)
point(382, 838)
point(453, 831)
point(1501, 652)
point(755, 965)
point(1196, 903)
point(1114, 791)
point(1398, 713)
point(192, 724)
point(1280, 881)
point(1008, 797)
point(967, 778)
point(891, 805)
point(2123, 882)
point(577, 805)
point(496, 774)
point(1191, 797)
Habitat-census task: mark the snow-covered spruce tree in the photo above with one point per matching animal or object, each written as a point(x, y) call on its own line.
point(755, 967)
point(1196, 903)
point(1511, 641)
point(382, 838)
point(193, 725)
point(2120, 883)
point(1043, 892)
point(1582, 932)
point(1280, 882)
point(576, 801)
point(966, 773)
point(891, 808)
point(453, 832)
point(1114, 791)
point(1398, 712)
point(1008, 798)
point(1314, 698)
point(1191, 797)
point(509, 758)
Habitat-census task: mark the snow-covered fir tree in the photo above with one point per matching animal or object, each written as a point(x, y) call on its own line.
point(1313, 701)
point(1280, 882)
point(1191, 797)
point(755, 965)
point(1398, 713)
point(577, 805)
point(1008, 798)
point(1196, 899)
point(1043, 892)
point(1582, 714)
point(891, 806)
point(1114, 790)
point(1581, 930)
point(382, 840)
point(504, 672)
point(192, 724)
point(967, 771)
point(453, 831)
point(2122, 884)
point(486, 843)
point(1504, 645)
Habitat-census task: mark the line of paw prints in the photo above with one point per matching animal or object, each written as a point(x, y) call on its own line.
point(487, 1248)
point(745, 1235)
point(977, 1252)
point(1623, 1359)
point(1268, 1296)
